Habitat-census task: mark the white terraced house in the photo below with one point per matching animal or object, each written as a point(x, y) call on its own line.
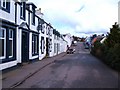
point(68, 38)
point(25, 35)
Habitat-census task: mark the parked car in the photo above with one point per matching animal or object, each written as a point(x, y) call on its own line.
point(70, 51)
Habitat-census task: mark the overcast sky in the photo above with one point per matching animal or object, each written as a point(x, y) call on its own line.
point(79, 17)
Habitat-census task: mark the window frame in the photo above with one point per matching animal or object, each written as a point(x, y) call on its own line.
point(11, 38)
point(35, 44)
point(3, 2)
point(33, 16)
point(7, 5)
point(43, 28)
point(50, 45)
point(22, 10)
point(42, 45)
point(1, 28)
point(55, 48)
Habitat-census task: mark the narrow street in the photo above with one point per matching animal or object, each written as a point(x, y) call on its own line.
point(78, 70)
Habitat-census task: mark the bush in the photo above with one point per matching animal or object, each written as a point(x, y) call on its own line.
point(99, 50)
point(113, 56)
point(109, 52)
point(110, 56)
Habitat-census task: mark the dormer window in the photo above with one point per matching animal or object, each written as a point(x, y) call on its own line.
point(43, 28)
point(5, 5)
point(33, 16)
point(22, 10)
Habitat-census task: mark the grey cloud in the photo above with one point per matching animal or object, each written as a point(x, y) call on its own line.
point(91, 31)
point(81, 8)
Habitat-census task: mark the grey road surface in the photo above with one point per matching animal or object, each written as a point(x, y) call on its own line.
point(78, 70)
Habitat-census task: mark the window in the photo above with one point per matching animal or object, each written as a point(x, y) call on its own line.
point(33, 16)
point(46, 30)
point(54, 36)
point(58, 47)
point(34, 44)
point(51, 32)
point(50, 45)
point(5, 4)
point(22, 10)
point(55, 47)
point(10, 43)
point(7, 44)
point(42, 45)
point(39, 27)
point(43, 28)
point(2, 42)
point(57, 37)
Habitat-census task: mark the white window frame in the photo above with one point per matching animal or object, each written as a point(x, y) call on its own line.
point(47, 30)
point(36, 46)
point(43, 28)
point(2, 3)
point(42, 46)
point(21, 10)
point(11, 38)
point(33, 44)
point(51, 32)
point(54, 36)
point(4, 29)
point(55, 45)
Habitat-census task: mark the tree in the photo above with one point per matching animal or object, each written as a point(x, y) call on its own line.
point(114, 36)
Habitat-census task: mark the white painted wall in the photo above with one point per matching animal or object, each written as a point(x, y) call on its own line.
point(11, 16)
point(19, 42)
point(52, 37)
point(63, 44)
point(32, 27)
point(69, 39)
point(8, 65)
point(41, 56)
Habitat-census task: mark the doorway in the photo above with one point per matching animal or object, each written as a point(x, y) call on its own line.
point(25, 46)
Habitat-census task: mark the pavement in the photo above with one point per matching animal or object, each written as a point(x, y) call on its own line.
point(16, 77)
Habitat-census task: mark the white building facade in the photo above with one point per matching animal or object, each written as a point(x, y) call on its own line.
point(68, 38)
point(25, 36)
point(8, 31)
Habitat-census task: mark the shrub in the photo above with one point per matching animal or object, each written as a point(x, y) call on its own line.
point(109, 51)
point(113, 56)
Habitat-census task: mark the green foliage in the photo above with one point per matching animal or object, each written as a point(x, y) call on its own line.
point(109, 51)
point(113, 37)
point(113, 55)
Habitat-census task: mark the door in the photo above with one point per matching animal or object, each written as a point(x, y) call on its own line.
point(25, 46)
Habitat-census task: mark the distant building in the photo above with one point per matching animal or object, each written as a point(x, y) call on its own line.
point(68, 38)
